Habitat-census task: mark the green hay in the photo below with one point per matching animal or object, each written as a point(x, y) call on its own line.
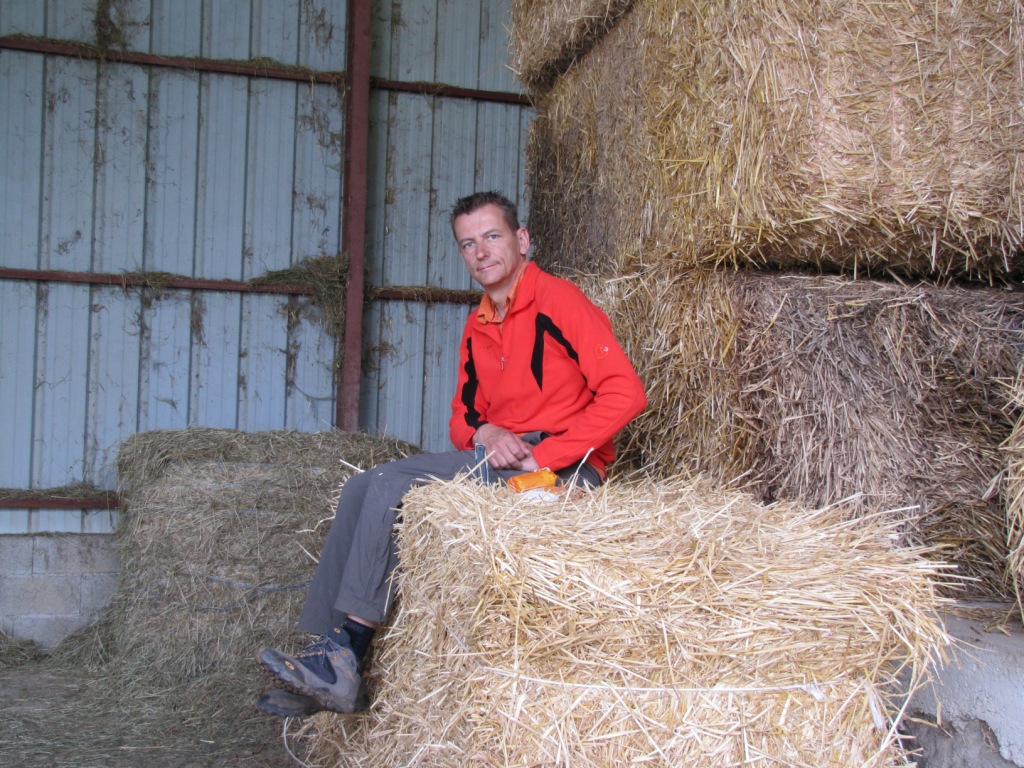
point(326, 277)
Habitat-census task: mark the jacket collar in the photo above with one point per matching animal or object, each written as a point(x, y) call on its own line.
point(487, 312)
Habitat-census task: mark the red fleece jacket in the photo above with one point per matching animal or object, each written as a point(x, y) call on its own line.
point(552, 366)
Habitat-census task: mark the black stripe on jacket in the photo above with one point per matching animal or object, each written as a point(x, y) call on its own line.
point(546, 325)
point(469, 389)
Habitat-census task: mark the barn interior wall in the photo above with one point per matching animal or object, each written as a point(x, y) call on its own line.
point(115, 167)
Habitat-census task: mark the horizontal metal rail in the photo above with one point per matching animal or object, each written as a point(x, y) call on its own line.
point(256, 68)
point(450, 91)
point(157, 281)
point(267, 69)
point(425, 294)
point(152, 280)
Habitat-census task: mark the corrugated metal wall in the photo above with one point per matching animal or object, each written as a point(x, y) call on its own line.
point(111, 167)
point(426, 152)
point(120, 168)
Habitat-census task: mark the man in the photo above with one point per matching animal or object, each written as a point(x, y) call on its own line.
point(542, 384)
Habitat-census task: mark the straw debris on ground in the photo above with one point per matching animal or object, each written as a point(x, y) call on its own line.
point(218, 538)
point(868, 137)
point(664, 623)
point(14, 653)
point(822, 388)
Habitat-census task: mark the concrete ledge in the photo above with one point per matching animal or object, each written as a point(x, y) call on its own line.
point(16, 554)
point(54, 584)
point(46, 631)
point(74, 554)
point(34, 595)
point(973, 714)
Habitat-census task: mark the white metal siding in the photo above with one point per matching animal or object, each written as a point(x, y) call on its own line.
point(425, 153)
point(122, 168)
point(455, 42)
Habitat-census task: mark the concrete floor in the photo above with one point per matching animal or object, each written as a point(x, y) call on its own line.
point(973, 716)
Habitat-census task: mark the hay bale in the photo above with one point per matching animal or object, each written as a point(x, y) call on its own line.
point(546, 36)
point(821, 388)
point(662, 622)
point(218, 540)
point(869, 137)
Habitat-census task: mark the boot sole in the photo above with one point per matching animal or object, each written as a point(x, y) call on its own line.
point(282, 703)
point(282, 676)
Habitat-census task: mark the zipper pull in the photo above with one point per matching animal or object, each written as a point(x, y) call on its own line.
point(503, 362)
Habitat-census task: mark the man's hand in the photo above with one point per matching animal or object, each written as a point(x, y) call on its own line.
point(505, 450)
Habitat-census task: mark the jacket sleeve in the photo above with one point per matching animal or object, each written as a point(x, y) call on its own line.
point(618, 392)
point(469, 408)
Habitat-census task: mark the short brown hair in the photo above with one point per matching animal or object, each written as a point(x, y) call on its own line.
point(478, 200)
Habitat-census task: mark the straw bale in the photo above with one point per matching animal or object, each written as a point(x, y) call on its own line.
point(546, 36)
point(218, 541)
point(868, 137)
point(664, 623)
point(144, 457)
point(822, 388)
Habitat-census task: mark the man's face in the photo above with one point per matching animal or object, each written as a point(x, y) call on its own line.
point(491, 249)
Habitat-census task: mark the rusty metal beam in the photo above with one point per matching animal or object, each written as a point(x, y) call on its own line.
point(425, 294)
point(269, 70)
point(156, 280)
point(357, 143)
point(451, 91)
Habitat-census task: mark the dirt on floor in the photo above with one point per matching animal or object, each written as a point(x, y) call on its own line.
point(53, 717)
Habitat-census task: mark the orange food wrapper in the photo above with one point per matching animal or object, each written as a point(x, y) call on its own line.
point(542, 478)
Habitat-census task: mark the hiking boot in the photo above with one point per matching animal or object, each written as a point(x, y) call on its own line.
point(325, 671)
point(282, 703)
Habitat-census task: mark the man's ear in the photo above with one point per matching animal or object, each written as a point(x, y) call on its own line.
point(524, 240)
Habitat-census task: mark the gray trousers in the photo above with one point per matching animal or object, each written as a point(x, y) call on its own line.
point(359, 555)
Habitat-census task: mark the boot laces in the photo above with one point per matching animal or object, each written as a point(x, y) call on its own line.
point(315, 657)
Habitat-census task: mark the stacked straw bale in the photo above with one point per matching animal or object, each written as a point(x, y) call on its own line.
point(822, 388)
point(703, 161)
point(869, 137)
point(547, 36)
point(660, 623)
point(217, 540)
